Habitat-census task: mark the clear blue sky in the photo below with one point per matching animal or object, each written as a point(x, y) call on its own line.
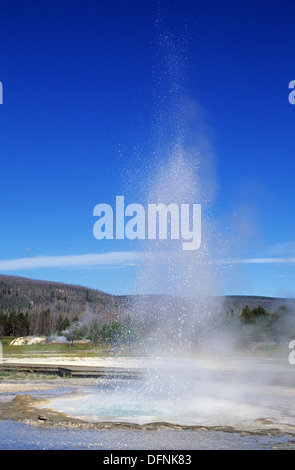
point(82, 83)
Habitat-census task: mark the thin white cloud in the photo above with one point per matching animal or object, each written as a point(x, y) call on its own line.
point(120, 258)
point(281, 253)
point(260, 261)
point(113, 259)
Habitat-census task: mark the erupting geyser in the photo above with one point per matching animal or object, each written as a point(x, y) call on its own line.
point(191, 377)
point(177, 288)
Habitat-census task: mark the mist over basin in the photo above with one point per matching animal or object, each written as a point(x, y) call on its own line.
point(245, 393)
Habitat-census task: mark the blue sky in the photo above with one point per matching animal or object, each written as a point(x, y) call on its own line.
point(83, 83)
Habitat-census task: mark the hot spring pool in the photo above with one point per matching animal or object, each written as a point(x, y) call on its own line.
point(245, 393)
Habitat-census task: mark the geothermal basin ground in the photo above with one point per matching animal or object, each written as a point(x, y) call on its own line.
point(196, 402)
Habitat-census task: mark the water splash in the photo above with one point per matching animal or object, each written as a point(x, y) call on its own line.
point(190, 380)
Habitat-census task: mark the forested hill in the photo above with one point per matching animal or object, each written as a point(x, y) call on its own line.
point(236, 303)
point(34, 296)
point(43, 304)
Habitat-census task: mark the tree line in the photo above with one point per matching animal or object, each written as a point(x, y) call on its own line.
point(114, 332)
point(15, 323)
point(252, 325)
point(259, 325)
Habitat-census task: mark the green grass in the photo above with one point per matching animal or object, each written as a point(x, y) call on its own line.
point(58, 349)
point(16, 375)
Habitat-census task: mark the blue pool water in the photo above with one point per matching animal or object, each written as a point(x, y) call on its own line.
point(18, 436)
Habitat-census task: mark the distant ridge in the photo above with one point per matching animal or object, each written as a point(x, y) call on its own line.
point(25, 294)
point(270, 304)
